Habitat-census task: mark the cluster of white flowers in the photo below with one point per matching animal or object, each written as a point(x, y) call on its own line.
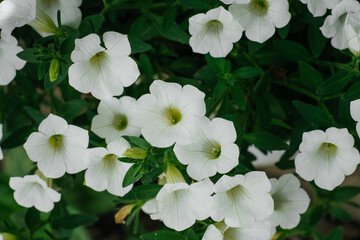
point(218, 29)
point(342, 25)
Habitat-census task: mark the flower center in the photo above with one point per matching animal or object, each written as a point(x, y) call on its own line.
point(173, 115)
point(97, 59)
point(328, 150)
point(261, 6)
point(214, 26)
point(120, 122)
point(213, 150)
point(109, 159)
point(56, 141)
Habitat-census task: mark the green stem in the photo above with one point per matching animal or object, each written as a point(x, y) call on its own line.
point(299, 90)
point(332, 64)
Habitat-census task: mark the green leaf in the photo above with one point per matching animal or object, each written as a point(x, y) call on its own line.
point(353, 93)
point(138, 46)
point(220, 88)
point(238, 96)
point(138, 142)
point(316, 40)
point(219, 65)
point(265, 141)
point(284, 31)
point(132, 175)
point(36, 115)
point(169, 17)
point(291, 50)
point(74, 220)
point(247, 72)
point(18, 137)
point(335, 234)
point(339, 213)
point(71, 109)
point(32, 218)
point(192, 235)
point(310, 78)
point(91, 24)
point(143, 192)
point(162, 235)
point(30, 55)
point(68, 45)
point(335, 84)
point(312, 114)
point(344, 193)
point(198, 4)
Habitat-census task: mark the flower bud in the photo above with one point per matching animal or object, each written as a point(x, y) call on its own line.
point(173, 175)
point(123, 213)
point(136, 153)
point(44, 23)
point(54, 69)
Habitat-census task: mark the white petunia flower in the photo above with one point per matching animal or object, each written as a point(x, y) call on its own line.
point(258, 231)
point(214, 151)
point(235, 1)
point(170, 113)
point(214, 32)
point(105, 171)
point(102, 71)
point(327, 157)
point(318, 7)
point(58, 147)
point(70, 12)
point(263, 160)
point(9, 62)
point(117, 117)
point(1, 135)
point(334, 24)
point(260, 17)
point(33, 191)
point(353, 38)
point(180, 204)
point(150, 207)
point(242, 200)
point(15, 13)
point(289, 201)
point(355, 113)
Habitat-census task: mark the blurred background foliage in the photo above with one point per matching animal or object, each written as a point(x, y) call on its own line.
point(273, 92)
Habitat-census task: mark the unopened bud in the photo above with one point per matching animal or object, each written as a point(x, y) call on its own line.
point(136, 153)
point(44, 23)
point(123, 213)
point(54, 69)
point(173, 175)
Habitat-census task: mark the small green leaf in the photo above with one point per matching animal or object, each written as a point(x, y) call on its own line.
point(143, 192)
point(32, 218)
point(198, 4)
point(30, 55)
point(18, 137)
point(219, 65)
point(36, 115)
point(132, 175)
point(339, 213)
point(312, 114)
point(353, 93)
point(335, 84)
point(335, 234)
point(265, 141)
point(71, 109)
point(247, 72)
point(238, 96)
point(309, 77)
point(344, 193)
point(316, 40)
point(162, 235)
point(169, 17)
point(138, 142)
point(91, 24)
point(138, 46)
point(291, 50)
point(74, 220)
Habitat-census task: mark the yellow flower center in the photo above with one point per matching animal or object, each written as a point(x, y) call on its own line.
point(213, 150)
point(56, 141)
point(214, 26)
point(110, 159)
point(260, 6)
point(173, 115)
point(97, 60)
point(120, 122)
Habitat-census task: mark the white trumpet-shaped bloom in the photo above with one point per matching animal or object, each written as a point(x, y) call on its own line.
point(180, 204)
point(334, 24)
point(259, 18)
point(355, 113)
point(242, 200)
point(258, 231)
point(102, 71)
point(214, 32)
point(1, 135)
point(117, 117)
point(32, 191)
point(105, 171)
point(9, 62)
point(235, 1)
point(289, 201)
point(318, 7)
point(170, 113)
point(15, 13)
point(327, 157)
point(69, 10)
point(58, 147)
point(214, 151)
point(353, 38)
point(265, 160)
